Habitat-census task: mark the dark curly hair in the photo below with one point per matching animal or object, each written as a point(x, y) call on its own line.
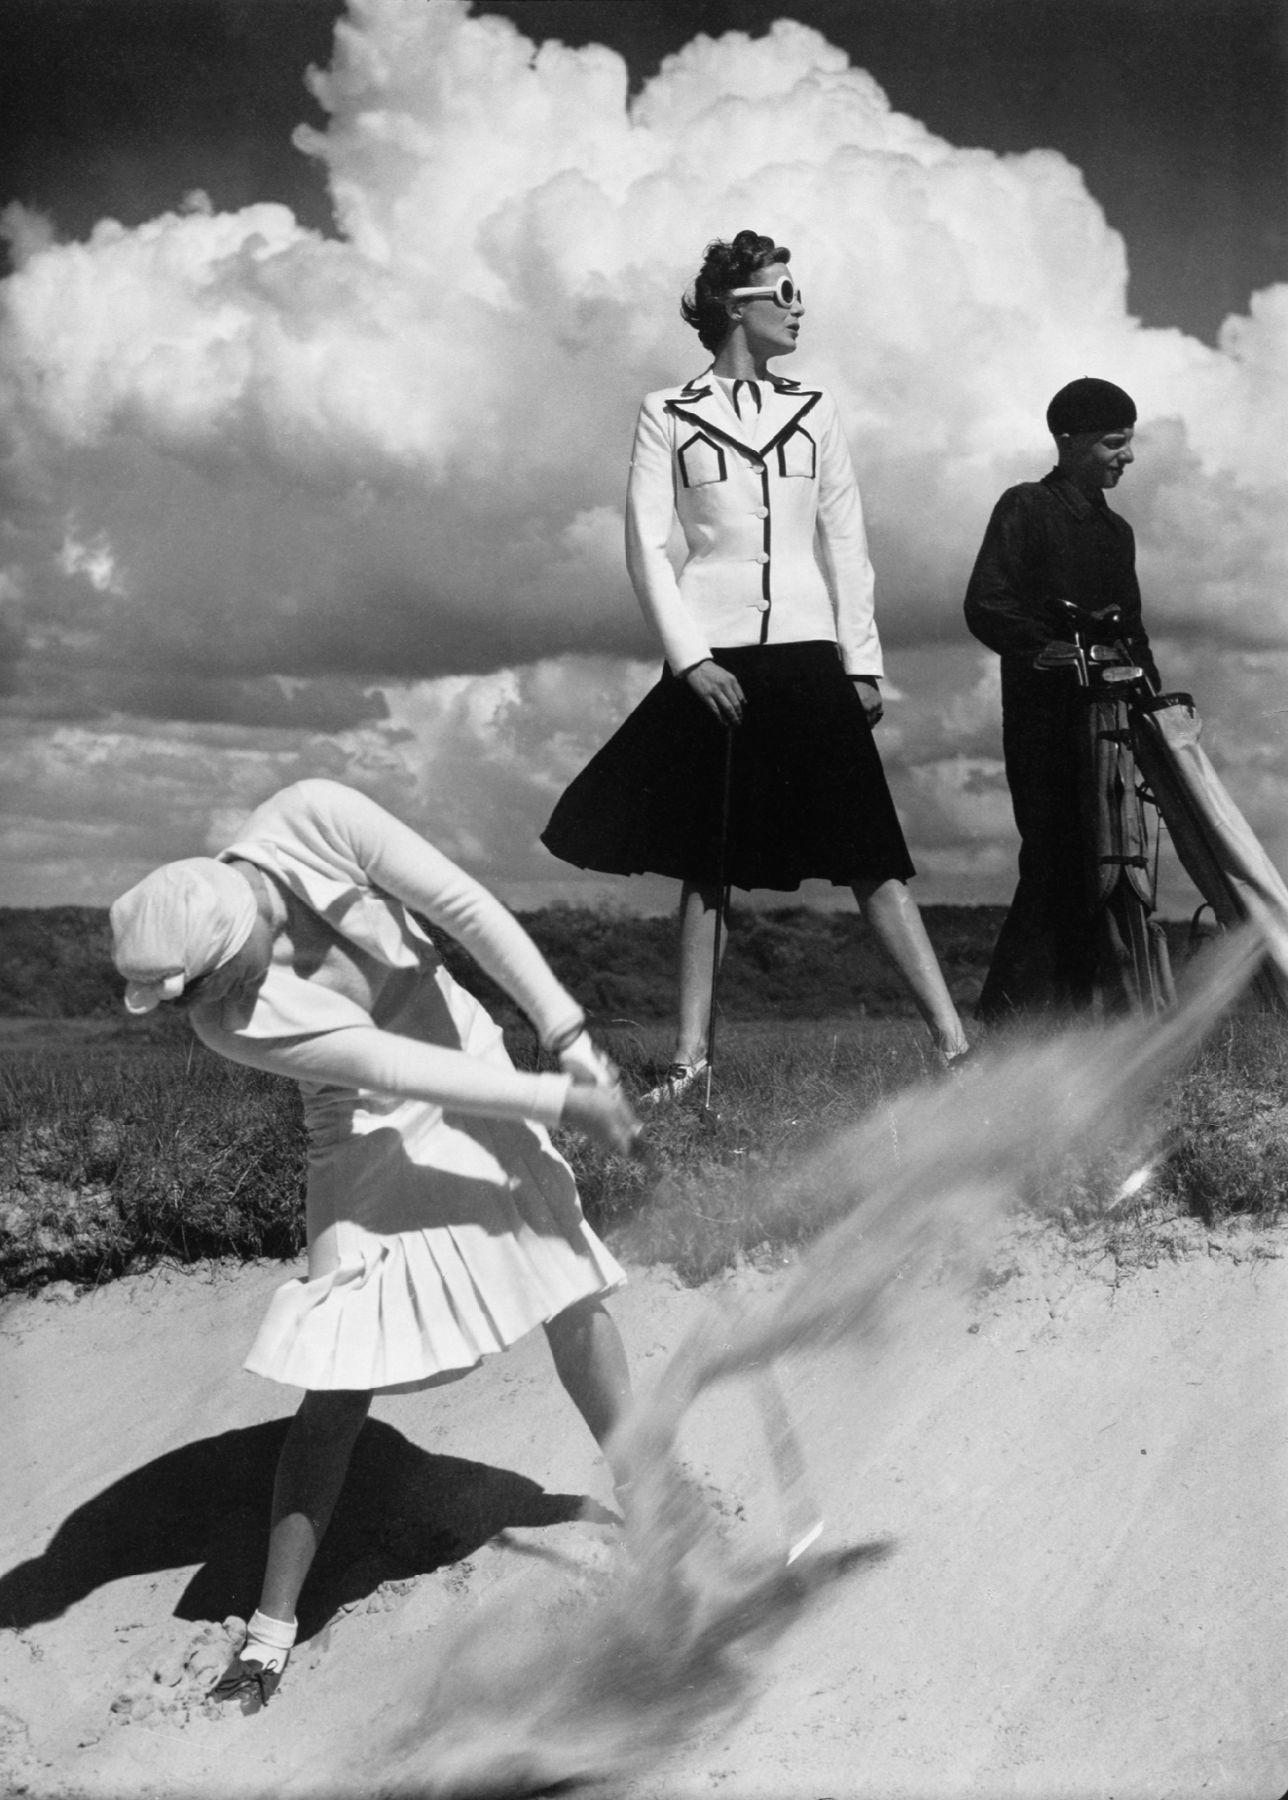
point(726, 266)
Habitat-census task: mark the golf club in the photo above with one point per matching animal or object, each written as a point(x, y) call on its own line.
point(801, 1517)
point(722, 902)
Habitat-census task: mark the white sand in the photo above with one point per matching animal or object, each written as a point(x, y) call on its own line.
point(1087, 1480)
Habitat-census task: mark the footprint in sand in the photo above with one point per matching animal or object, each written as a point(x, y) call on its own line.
point(171, 1673)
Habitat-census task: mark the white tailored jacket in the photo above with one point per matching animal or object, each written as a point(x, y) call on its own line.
point(754, 496)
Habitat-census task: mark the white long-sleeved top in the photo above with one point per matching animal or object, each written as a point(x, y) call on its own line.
point(755, 491)
point(358, 870)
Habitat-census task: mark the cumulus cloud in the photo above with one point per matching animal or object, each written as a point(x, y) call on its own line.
point(366, 490)
point(476, 761)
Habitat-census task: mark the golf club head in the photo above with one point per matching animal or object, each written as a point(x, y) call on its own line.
point(802, 1543)
point(1056, 655)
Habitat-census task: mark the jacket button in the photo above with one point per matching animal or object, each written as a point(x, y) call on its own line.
point(760, 512)
point(762, 606)
point(762, 558)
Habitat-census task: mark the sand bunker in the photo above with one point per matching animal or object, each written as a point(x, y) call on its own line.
point(1055, 1500)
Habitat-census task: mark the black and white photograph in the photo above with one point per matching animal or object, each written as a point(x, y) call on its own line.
point(644, 725)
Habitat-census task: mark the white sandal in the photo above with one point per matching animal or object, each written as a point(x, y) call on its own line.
point(679, 1078)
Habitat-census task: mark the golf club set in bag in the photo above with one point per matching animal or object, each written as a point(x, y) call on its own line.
point(1140, 750)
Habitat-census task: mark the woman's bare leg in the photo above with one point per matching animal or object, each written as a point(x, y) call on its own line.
point(699, 903)
point(310, 1473)
point(590, 1360)
point(892, 913)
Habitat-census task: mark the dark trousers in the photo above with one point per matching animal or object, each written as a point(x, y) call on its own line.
point(1045, 958)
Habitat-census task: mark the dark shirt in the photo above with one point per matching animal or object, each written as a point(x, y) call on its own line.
point(1045, 542)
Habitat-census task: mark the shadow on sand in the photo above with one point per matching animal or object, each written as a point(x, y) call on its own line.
point(402, 1512)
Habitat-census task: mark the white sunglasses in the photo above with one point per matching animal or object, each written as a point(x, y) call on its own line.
point(784, 293)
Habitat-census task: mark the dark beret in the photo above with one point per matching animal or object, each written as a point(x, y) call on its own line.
point(1090, 405)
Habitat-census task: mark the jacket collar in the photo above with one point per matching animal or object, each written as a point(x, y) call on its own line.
point(1072, 497)
point(704, 402)
point(703, 384)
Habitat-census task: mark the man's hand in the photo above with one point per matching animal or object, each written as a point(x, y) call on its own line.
point(605, 1116)
point(865, 686)
point(719, 691)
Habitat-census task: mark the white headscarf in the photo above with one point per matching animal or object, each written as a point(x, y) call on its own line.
point(181, 921)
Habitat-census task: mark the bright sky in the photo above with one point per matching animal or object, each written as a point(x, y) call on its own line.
point(298, 491)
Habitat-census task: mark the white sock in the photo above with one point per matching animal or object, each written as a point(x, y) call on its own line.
point(268, 1641)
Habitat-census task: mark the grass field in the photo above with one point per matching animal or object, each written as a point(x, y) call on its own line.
point(120, 1150)
point(789, 962)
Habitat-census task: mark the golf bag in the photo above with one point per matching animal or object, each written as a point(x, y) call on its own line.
point(1137, 749)
point(1133, 967)
point(1213, 840)
point(1133, 970)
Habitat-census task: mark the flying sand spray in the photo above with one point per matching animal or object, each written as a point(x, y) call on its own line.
point(594, 1675)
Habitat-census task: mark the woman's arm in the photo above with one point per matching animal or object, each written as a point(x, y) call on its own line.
point(650, 515)
point(381, 1062)
point(378, 850)
point(843, 542)
point(360, 1056)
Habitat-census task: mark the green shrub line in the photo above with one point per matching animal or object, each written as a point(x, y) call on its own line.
point(123, 1155)
point(789, 962)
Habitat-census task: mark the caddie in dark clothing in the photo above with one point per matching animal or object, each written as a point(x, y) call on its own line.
point(1048, 541)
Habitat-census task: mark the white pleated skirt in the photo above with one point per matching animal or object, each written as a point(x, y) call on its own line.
point(434, 1240)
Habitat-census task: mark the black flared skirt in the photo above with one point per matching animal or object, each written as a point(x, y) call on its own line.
point(808, 797)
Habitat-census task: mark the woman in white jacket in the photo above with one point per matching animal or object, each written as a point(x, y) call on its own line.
point(768, 634)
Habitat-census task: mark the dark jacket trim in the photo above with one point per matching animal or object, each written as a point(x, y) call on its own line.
point(792, 423)
point(700, 437)
point(783, 383)
point(755, 456)
point(713, 431)
point(766, 565)
point(780, 446)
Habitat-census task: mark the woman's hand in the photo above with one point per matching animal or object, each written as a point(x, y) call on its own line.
point(587, 1064)
point(719, 691)
point(865, 686)
point(605, 1116)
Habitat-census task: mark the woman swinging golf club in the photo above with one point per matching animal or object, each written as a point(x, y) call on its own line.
point(759, 641)
point(442, 1223)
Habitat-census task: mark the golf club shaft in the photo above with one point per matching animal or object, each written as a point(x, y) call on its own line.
point(722, 901)
point(801, 1516)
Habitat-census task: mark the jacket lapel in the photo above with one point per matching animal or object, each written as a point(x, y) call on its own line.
point(702, 402)
point(783, 407)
